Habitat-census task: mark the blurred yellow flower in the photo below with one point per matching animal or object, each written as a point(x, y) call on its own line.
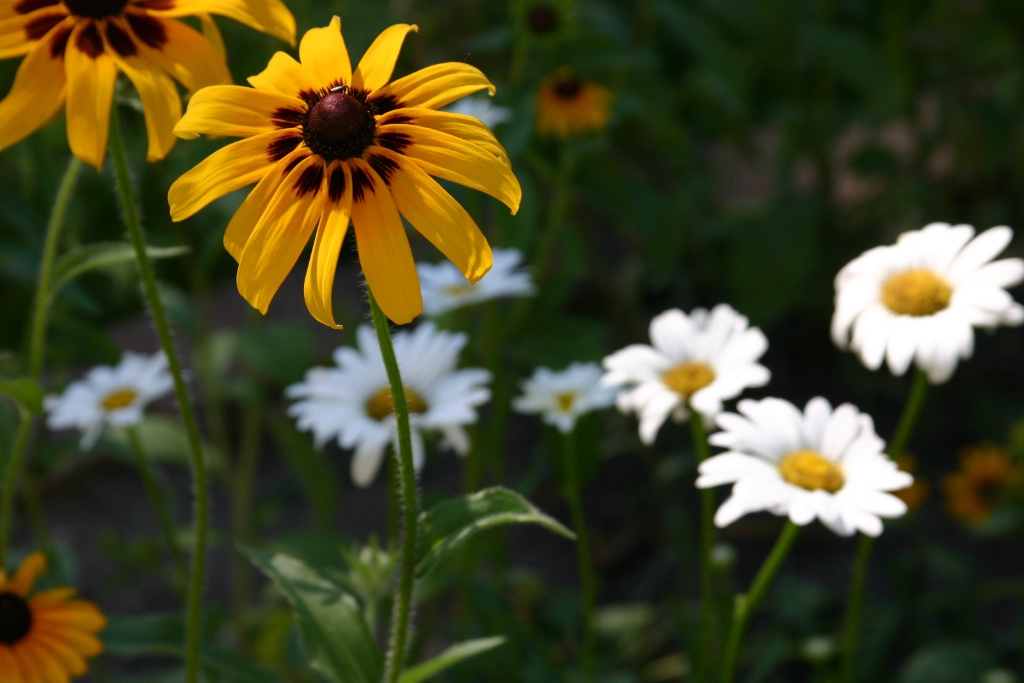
point(986, 470)
point(913, 496)
point(45, 637)
point(328, 144)
point(74, 49)
point(568, 106)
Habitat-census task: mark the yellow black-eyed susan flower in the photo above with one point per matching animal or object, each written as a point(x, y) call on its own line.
point(973, 491)
point(326, 144)
point(47, 636)
point(74, 49)
point(544, 21)
point(568, 106)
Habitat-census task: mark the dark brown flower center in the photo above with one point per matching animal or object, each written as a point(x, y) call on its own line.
point(542, 19)
point(15, 618)
point(95, 9)
point(340, 125)
point(567, 88)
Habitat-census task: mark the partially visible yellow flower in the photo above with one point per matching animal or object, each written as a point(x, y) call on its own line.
point(913, 496)
point(45, 637)
point(986, 470)
point(569, 106)
point(544, 21)
point(327, 144)
point(74, 49)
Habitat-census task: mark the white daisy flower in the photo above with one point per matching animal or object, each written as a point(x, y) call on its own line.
point(561, 397)
point(352, 402)
point(820, 463)
point(919, 299)
point(696, 362)
point(110, 396)
point(481, 108)
point(445, 289)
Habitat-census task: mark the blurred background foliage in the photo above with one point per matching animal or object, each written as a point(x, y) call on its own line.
point(755, 147)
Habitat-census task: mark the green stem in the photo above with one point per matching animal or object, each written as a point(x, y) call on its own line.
point(193, 602)
point(401, 614)
point(709, 619)
point(745, 604)
point(557, 210)
point(157, 500)
point(855, 597)
point(588, 584)
point(36, 342)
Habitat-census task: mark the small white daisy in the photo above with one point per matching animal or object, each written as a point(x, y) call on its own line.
point(445, 289)
point(352, 402)
point(561, 397)
point(110, 396)
point(697, 361)
point(919, 299)
point(481, 108)
point(821, 463)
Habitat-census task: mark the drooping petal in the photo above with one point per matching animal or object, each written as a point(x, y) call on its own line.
point(179, 50)
point(161, 103)
point(460, 125)
point(213, 35)
point(237, 111)
point(323, 262)
point(384, 251)
point(437, 216)
point(91, 76)
point(228, 169)
point(323, 52)
point(434, 86)
point(35, 97)
point(247, 215)
point(285, 76)
point(377, 64)
point(446, 156)
point(266, 16)
point(281, 233)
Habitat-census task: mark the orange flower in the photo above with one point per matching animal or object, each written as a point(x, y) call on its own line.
point(973, 491)
point(568, 106)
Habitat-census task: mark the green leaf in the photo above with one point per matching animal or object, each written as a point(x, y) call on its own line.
point(100, 255)
point(946, 662)
point(450, 657)
point(331, 626)
point(25, 391)
point(449, 523)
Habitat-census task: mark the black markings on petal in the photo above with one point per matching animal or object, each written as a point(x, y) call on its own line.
point(360, 184)
point(39, 27)
point(120, 40)
point(89, 41)
point(26, 6)
point(384, 166)
point(286, 117)
point(384, 103)
point(396, 142)
point(336, 183)
point(282, 147)
point(149, 30)
point(292, 163)
point(59, 42)
point(309, 180)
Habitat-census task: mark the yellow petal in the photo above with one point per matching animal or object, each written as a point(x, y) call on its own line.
point(383, 246)
point(90, 93)
point(323, 52)
point(213, 35)
point(281, 233)
point(378, 62)
point(323, 262)
point(161, 103)
point(37, 94)
point(31, 568)
point(236, 111)
point(285, 76)
point(462, 126)
point(248, 214)
point(228, 169)
point(267, 16)
point(435, 86)
point(19, 32)
point(187, 56)
point(47, 669)
point(446, 156)
point(437, 216)
point(79, 614)
point(58, 650)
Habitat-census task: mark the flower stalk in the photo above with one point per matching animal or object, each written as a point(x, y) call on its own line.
point(709, 618)
point(588, 584)
point(157, 500)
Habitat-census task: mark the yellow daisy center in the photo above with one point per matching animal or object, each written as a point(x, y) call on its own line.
point(382, 403)
point(122, 398)
point(458, 290)
point(812, 471)
point(95, 9)
point(15, 618)
point(339, 125)
point(565, 401)
point(688, 378)
point(916, 292)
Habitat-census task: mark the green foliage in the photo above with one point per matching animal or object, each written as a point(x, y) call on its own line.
point(449, 658)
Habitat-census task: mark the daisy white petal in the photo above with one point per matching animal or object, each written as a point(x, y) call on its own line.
point(562, 397)
point(445, 288)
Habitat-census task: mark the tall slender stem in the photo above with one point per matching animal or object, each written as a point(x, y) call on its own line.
point(243, 478)
point(401, 614)
point(157, 500)
point(36, 343)
point(855, 597)
point(588, 584)
point(709, 618)
point(745, 604)
point(193, 601)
